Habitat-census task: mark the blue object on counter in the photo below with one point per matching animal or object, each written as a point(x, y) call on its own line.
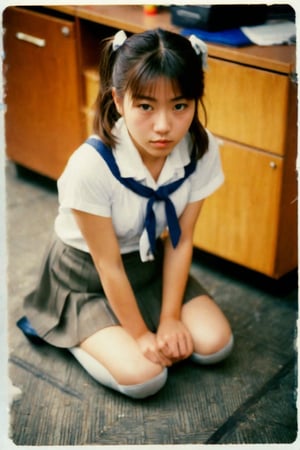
point(233, 37)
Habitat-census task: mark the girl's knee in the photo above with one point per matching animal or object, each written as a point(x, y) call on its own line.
point(147, 387)
point(214, 341)
point(215, 351)
point(139, 373)
point(210, 329)
point(137, 382)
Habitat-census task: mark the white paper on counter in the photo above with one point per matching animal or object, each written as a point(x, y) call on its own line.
point(271, 33)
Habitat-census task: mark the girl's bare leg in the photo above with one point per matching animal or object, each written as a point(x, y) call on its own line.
point(209, 328)
point(113, 358)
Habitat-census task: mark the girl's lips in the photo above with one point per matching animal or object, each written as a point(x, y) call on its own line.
point(161, 143)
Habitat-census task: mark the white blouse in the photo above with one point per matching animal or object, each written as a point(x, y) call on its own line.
point(87, 184)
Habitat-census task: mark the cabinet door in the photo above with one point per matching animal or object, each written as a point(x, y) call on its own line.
point(239, 222)
point(42, 120)
point(247, 105)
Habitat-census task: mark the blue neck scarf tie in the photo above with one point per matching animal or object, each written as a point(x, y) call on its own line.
point(161, 194)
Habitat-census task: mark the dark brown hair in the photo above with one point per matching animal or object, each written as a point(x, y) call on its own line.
point(142, 59)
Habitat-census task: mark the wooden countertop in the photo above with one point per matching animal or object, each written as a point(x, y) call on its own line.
point(131, 18)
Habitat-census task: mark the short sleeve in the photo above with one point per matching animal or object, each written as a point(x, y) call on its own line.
point(85, 183)
point(208, 176)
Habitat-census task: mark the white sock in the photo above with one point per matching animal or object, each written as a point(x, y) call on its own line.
point(147, 388)
point(94, 367)
point(103, 376)
point(214, 357)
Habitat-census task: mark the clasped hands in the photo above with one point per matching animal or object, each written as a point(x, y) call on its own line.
point(171, 343)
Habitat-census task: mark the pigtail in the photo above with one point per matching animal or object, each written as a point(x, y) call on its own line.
point(106, 113)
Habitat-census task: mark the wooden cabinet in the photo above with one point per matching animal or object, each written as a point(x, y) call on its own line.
point(43, 122)
point(252, 219)
point(247, 104)
point(240, 221)
point(251, 103)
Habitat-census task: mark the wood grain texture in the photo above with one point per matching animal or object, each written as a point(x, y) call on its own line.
point(240, 221)
point(43, 123)
point(247, 105)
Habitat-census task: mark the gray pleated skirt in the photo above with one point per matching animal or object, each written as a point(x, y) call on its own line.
point(69, 303)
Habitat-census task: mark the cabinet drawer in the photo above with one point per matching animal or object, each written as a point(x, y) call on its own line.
point(239, 222)
point(247, 105)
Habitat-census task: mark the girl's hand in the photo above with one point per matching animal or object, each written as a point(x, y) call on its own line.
point(148, 345)
point(174, 340)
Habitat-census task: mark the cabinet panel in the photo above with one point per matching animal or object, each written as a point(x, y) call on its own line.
point(239, 222)
point(247, 105)
point(42, 122)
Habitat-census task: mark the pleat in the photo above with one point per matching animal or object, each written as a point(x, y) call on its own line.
point(69, 303)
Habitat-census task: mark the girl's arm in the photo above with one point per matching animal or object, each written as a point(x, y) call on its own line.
point(103, 245)
point(173, 338)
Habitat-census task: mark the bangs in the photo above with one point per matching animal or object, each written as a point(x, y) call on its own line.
point(142, 87)
point(143, 77)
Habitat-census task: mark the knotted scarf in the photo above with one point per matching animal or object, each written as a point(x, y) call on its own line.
point(160, 195)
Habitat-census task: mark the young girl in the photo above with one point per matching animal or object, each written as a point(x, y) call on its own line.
point(112, 290)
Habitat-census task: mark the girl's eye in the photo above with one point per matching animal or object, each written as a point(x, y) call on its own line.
point(180, 106)
point(145, 107)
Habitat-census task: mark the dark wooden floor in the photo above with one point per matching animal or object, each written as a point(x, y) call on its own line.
point(250, 398)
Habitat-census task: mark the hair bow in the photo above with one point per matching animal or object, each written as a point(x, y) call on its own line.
point(119, 39)
point(200, 48)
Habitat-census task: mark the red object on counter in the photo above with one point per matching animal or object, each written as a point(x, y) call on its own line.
point(150, 10)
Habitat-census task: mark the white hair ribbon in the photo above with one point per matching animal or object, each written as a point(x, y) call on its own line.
point(200, 47)
point(119, 39)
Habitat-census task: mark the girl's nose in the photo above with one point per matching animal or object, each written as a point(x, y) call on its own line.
point(162, 123)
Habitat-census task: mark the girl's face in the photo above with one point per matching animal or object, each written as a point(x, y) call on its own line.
point(157, 120)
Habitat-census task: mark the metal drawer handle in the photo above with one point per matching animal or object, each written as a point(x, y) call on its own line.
point(31, 39)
